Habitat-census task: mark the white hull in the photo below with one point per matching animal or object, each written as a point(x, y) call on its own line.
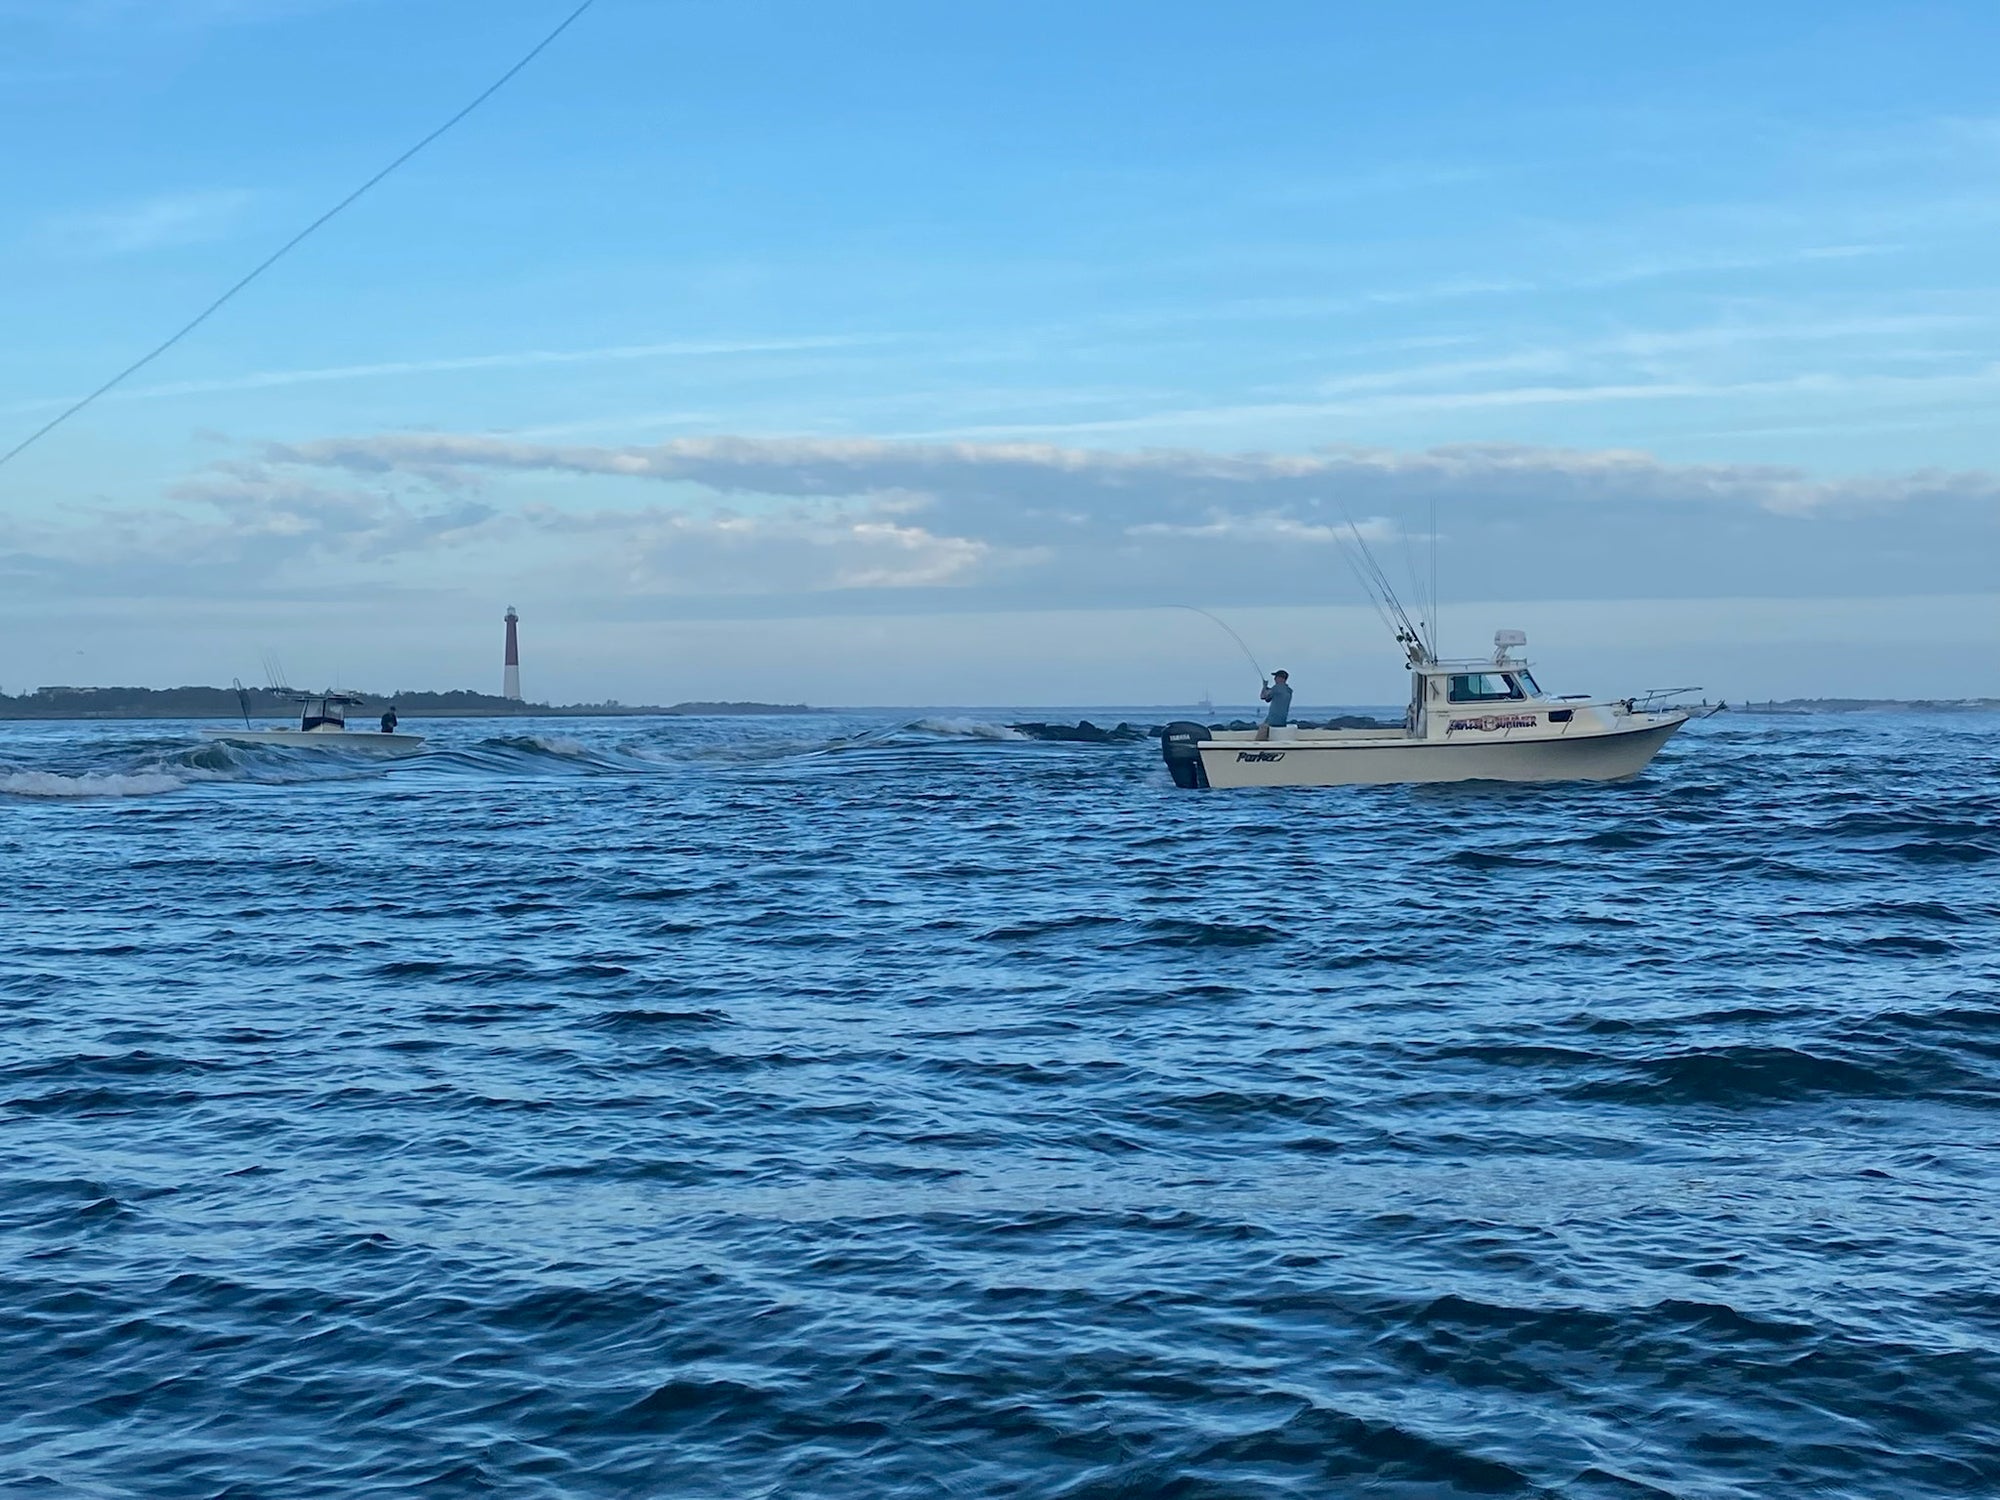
point(350, 741)
point(1382, 757)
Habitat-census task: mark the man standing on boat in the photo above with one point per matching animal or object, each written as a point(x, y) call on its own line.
point(1278, 693)
point(389, 720)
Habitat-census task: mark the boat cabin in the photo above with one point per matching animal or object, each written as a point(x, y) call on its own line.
point(1448, 698)
point(325, 712)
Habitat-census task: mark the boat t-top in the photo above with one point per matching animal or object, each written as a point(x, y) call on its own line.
point(322, 726)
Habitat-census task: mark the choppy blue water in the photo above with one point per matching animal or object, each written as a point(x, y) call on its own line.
point(725, 1108)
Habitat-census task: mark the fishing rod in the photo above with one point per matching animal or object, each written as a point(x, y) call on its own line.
point(1382, 594)
point(1262, 675)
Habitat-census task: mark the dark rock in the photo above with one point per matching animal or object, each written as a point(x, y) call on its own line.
point(1083, 732)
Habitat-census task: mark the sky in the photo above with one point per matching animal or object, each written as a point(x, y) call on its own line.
point(903, 353)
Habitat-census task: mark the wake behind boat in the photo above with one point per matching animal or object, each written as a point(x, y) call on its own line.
point(323, 726)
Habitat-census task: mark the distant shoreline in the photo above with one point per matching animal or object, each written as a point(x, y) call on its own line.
point(774, 710)
point(1867, 705)
point(71, 703)
point(64, 704)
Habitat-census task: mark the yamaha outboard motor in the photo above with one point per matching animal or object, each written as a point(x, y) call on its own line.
point(1180, 747)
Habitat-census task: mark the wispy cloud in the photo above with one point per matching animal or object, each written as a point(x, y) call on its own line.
point(1655, 268)
point(1958, 384)
point(519, 359)
point(799, 548)
point(123, 15)
point(1265, 526)
point(146, 224)
point(241, 531)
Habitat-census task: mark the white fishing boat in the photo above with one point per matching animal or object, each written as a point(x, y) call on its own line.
point(1481, 720)
point(323, 726)
point(1467, 721)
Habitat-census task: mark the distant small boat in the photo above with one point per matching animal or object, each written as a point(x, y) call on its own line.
point(322, 726)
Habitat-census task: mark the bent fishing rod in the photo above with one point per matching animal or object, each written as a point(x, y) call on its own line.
point(1262, 675)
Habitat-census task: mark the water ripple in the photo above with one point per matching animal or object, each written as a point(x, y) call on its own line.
point(851, 1106)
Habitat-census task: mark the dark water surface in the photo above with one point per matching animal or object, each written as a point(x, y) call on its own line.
point(714, 1108)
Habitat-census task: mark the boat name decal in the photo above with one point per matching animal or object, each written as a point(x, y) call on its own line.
point(1490, 722)
point(1242, 755)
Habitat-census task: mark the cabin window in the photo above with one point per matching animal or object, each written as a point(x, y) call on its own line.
point(1527, 680)
point(1483, 687)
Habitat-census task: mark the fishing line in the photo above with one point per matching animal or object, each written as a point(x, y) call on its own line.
point(285, 249)
point(1262, 675)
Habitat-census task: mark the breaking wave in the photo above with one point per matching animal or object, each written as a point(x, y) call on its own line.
point(561, 745)
point(89, 784)
point(968, 729)
point(165, 761)
point(157, 767)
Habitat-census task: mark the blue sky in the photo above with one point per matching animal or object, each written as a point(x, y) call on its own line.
point(906, 352)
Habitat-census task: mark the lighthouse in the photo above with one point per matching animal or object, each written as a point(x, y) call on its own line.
point(510, 684)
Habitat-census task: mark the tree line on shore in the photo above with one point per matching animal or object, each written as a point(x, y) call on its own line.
point(271, 703)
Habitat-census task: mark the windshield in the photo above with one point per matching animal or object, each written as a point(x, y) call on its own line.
point(1483, 687)
point(1527, 680)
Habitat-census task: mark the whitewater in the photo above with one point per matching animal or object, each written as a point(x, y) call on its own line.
point(888, 1104)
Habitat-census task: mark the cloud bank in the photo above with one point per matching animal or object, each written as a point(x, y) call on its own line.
point(1045, 473)
point(786, 524)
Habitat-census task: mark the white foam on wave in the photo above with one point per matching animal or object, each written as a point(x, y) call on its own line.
point(972, 729)
point(49, 784)
point(318, 769)
point(264, 765)
point(541, 744)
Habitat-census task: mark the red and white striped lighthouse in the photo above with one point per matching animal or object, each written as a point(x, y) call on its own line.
point(510, 685)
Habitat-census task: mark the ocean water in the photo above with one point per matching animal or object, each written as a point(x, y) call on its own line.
point(840, 1106)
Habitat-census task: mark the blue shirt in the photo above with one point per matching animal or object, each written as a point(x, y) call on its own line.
point(1279, 696)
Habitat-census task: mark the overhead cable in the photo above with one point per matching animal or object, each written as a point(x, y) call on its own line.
point(291, 244)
